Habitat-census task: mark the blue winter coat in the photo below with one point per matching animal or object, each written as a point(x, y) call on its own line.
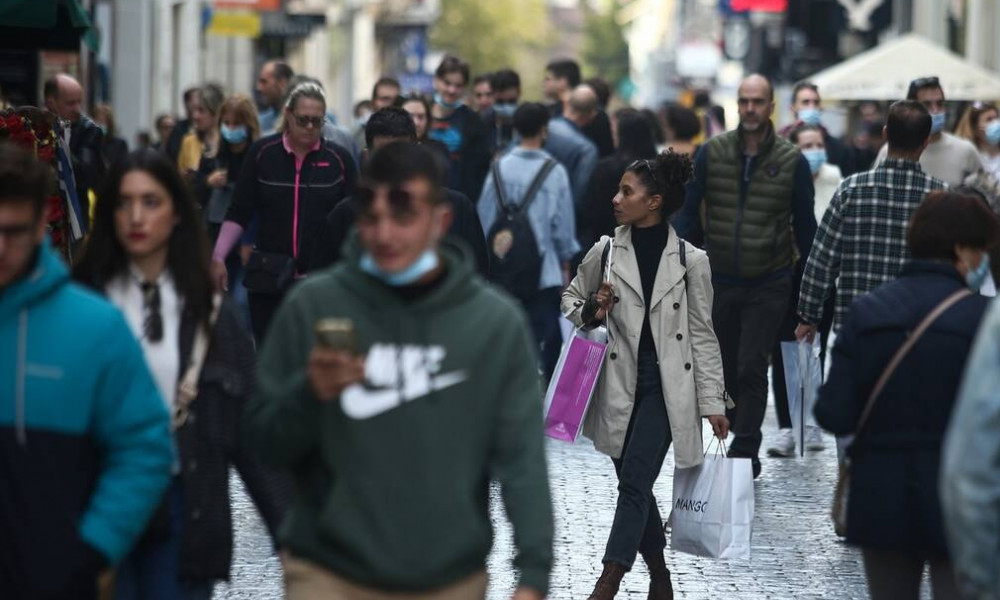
point(894, 502)
point(85, 443)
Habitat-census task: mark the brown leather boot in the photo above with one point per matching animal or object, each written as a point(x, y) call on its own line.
point(607, 585)
point(660, 587)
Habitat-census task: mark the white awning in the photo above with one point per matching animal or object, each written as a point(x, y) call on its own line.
point(885, 72)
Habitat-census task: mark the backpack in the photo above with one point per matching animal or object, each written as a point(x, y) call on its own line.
point(515, 262)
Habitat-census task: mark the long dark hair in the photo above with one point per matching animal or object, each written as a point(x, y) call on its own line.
point(635, 136)
point(104, 258)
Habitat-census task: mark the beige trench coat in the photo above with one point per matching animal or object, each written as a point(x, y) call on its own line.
point(681, 321)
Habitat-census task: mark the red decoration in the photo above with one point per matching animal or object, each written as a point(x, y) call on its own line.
point(41, 141)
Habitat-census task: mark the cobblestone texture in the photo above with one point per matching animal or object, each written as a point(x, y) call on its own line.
point(795, 554)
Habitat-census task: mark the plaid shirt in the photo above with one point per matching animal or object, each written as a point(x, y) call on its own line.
point(862, 239)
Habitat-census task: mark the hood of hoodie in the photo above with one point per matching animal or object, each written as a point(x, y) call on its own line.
point(45, 277)
point(460, 279)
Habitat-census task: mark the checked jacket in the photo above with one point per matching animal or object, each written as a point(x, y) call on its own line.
point(861, 242)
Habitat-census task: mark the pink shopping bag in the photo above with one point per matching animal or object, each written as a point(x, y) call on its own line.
point(573, 383)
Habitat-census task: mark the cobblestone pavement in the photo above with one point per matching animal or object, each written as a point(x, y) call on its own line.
point(795, 554)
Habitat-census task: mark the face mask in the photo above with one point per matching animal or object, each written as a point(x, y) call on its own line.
point(507, 109)
point(427, 262)
point(234, 135)
point(448, 105)
point(937, 122)
point(993, 133)
point(974, 278)
point(810, 116)
point(816, 158)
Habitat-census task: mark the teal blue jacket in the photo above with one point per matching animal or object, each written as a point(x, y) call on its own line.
point(85, 443)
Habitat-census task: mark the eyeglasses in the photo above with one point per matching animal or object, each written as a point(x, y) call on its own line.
point(644, 161)
point(153, 325)
point(306, 121)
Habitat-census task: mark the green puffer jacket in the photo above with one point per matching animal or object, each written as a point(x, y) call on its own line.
point(748, 228)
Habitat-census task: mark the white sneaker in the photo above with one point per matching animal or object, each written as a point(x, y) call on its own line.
point(783, 445)
point(814, 439)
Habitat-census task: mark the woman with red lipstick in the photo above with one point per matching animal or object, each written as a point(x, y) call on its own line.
point(149, 255)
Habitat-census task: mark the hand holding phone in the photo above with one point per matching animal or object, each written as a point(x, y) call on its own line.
point(334, 363)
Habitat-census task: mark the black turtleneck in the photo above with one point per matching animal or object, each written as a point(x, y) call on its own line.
point(649, 243)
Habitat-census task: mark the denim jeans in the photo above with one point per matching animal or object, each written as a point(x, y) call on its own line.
point(149, 572)
point(637, 526)
point(747, 320)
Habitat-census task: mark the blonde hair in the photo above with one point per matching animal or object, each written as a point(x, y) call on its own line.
point(105, 111)
point(306, 89)
point(243, 109)
point(969, 122)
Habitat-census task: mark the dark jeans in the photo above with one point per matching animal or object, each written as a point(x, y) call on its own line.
point(747, 319)
point(787, 334)
point(637, 525)
point(543, 314)
point(262, 309)
point(896, 576)
point(149, 572)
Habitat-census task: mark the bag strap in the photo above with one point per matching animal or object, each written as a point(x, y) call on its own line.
point(502, 201)
point(536, 184)
point(903, 350)
point(188, 389)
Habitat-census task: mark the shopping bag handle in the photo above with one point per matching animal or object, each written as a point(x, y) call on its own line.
point(720, 446)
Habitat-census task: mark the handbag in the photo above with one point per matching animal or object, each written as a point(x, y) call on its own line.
point(574, 380)
point(269, 272)
point(843, 489)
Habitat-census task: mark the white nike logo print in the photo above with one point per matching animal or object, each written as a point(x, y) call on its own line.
point(360, 402)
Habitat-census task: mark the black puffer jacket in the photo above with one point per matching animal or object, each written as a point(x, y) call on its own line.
point(210, 441)
point(893, 503)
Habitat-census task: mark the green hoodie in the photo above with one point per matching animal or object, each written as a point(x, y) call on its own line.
point(392, 478)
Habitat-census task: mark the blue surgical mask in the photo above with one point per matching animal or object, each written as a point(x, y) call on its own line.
point(234, 135)
point(993, 132)
point(816, 157)
point(448, 105)
point(427, 262)
point(937, 122)
point(975, 278)
point(810, 116)
point(507, 109)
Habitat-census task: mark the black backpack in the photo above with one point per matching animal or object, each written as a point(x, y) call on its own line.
point(515, 262)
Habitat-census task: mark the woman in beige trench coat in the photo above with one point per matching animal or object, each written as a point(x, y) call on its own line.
point(663, 370)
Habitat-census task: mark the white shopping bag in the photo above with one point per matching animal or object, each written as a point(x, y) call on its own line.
point(713, 508)
point(803, 377)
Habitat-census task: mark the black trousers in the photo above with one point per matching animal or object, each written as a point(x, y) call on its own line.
point(262, 309)
point(637, 526)
point(747, 320)
point(543, 314)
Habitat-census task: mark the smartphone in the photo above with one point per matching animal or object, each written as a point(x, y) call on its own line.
point(336, 334)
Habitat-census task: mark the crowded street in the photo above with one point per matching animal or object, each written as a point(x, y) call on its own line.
point(499, 300)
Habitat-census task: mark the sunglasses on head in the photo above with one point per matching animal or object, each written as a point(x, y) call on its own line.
point(644, 162)
point(923, 82)
point(305, 121)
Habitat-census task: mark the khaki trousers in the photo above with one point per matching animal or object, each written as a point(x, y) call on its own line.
point(305, 580)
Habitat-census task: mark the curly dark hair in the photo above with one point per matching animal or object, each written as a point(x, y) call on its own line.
point(666, 175)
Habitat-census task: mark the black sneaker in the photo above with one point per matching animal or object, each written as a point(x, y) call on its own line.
point(754, 461)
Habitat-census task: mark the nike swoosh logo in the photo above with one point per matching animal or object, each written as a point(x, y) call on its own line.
point(360, 403)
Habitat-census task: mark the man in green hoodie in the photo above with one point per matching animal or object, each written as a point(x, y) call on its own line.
point(393, 444)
